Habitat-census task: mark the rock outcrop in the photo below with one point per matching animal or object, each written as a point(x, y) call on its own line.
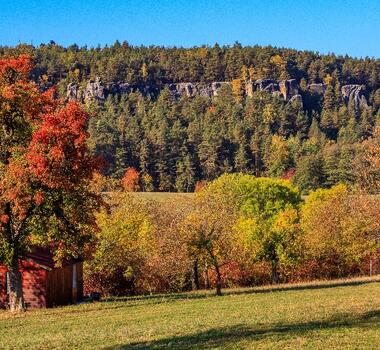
point(288, 90)
point(196, 89)
point(95, 91)
point(183, 89)
point(316, 88)
point(267, 85)
point(355, 94)
point(72, 92)
point(98, 91)
point(118, 88)
point(285, 89)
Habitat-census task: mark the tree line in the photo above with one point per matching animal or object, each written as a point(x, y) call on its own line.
point(238, 230)
point(157, 64)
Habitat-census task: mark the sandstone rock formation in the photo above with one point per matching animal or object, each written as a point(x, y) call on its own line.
point(72, 92)
point(267, 85)
point(183, 89)
point(95, 91)
point(355, 94)
point(216, 86)
point(119, 88)
point(196, 89)
point(288, 88)
point(285, 89)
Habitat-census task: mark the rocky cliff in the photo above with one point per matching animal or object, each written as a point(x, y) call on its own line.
point(288, 90)
point(355, 94)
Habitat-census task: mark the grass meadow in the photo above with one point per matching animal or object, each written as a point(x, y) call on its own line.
point(319, 315)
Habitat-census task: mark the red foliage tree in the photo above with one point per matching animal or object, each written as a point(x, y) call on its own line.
point(131, 180)
point(45, 172)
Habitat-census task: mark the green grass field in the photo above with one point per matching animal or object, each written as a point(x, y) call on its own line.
point(331, 315)
point(163, 196)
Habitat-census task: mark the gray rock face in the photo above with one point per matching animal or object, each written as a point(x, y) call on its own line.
point(354, 93)
point(204, 90)
point(285, 89)
point(95, 91)
point(267, 85)
point(196, 89)
point(288, 88)
point(316, 89)
point(183, 89)
point(216, 86)
point(72, 92)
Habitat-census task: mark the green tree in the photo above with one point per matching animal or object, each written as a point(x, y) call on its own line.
point(268, 224)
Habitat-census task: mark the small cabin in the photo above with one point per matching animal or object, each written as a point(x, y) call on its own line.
point(44, 284)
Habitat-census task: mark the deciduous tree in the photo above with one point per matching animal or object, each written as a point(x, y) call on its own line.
point(45, 172)
point(131, 180)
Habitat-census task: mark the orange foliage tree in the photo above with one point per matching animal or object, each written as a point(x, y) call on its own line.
point(131, 180)
point(45, 171)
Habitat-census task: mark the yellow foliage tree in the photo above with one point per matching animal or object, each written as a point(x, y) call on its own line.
point(341, 226)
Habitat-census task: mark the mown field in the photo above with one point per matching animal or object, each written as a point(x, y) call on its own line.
point(333, 315)
point(163, 196)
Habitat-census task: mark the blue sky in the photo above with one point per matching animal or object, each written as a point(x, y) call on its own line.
point(339, 26)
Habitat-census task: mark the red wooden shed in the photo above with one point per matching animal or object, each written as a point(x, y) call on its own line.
point(45, 285)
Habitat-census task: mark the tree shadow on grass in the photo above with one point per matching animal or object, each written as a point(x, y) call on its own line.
point(311, 286)
point(165, 298)
point(228, 337)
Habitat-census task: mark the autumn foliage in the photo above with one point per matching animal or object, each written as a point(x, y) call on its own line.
point(237, 230)
point(45, 172)
point(131, 180)
point(57, 154)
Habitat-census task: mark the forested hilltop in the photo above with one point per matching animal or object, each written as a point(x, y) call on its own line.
point(180, 116)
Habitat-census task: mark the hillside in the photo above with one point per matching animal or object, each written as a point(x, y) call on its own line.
point(184, 115)
point(331, 315)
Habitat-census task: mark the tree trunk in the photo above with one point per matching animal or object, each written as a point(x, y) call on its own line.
point(16, 298)
point(195, 276)
point(370, 267)
point(275, 277)
point(207, 279)
point(218, 281)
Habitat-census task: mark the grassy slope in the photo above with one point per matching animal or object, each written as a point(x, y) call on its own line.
point(310, 316)
point(163, 196)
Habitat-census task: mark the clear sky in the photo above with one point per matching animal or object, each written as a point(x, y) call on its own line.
point(339, 26)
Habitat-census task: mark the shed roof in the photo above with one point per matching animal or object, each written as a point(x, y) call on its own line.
point(44, 257)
